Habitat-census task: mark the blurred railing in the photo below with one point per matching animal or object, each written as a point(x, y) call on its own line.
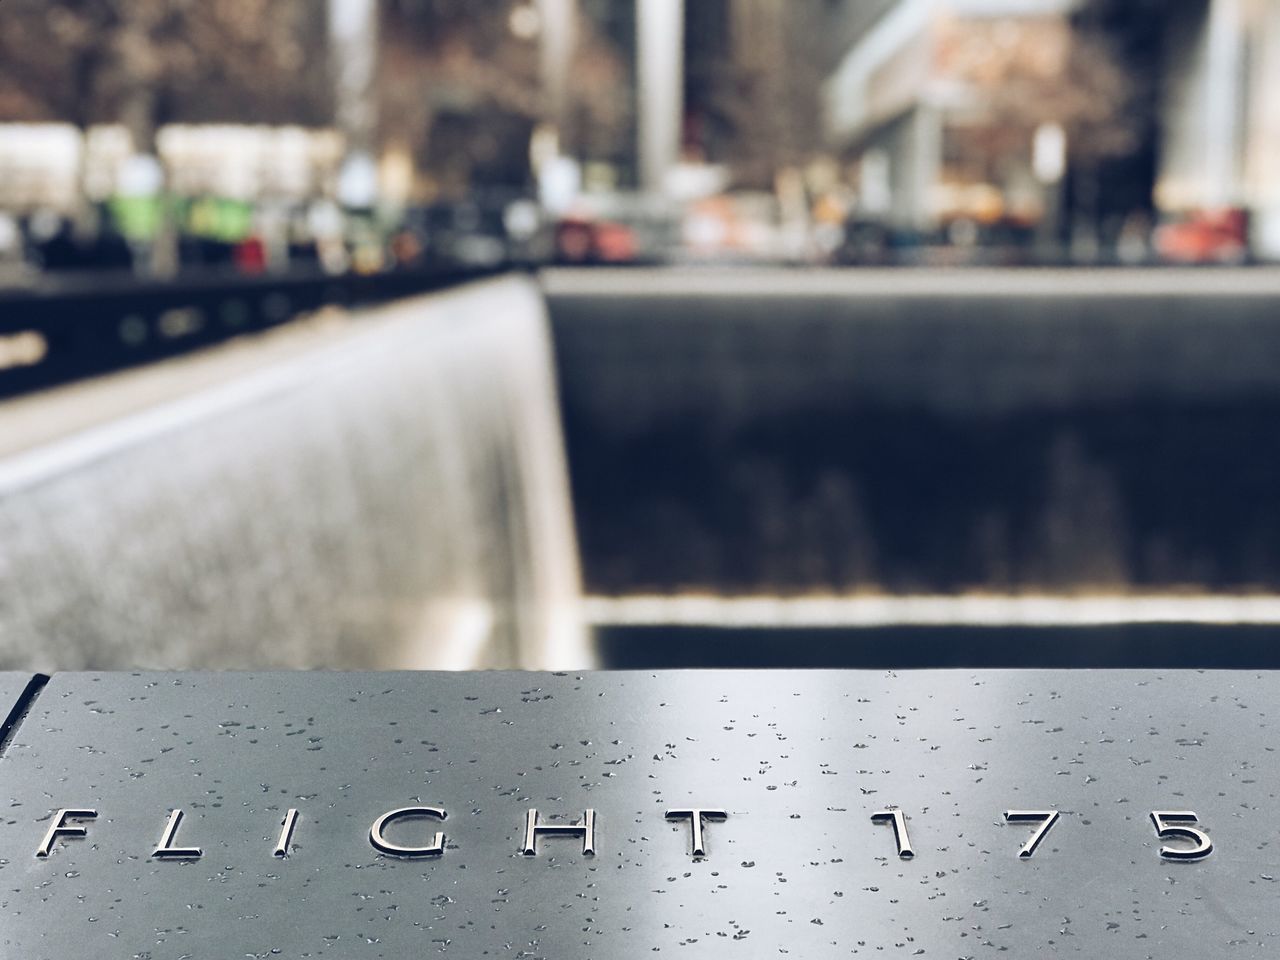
point(66, 327)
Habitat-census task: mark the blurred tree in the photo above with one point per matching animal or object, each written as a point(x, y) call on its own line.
point(755, 70)
point(1031, 71)
point(460, 88)
point(600, 122)
point(1092, 74)
point(453, 78)
point(147, 62)
point(1134, 36)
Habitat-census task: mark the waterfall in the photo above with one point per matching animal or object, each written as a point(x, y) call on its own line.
point(386, 492)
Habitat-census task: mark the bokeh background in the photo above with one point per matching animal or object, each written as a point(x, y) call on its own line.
point(160, 136)
point(552, 333)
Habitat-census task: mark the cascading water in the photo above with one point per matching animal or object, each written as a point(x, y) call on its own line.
point(392, 497)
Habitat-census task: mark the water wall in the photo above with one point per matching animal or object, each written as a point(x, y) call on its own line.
point(385, 491)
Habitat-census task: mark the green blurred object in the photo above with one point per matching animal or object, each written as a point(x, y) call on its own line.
point(218, 218)
point(137, 218)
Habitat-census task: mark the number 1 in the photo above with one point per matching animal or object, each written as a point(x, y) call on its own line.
point(899, 830)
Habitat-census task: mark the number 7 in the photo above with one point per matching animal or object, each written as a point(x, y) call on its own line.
point(1046, 818)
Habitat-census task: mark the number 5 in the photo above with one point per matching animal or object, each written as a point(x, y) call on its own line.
point(1163, 820)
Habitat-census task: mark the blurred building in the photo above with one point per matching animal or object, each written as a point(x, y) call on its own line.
point(40, 166)
point(1071, 124)
point(952, 111)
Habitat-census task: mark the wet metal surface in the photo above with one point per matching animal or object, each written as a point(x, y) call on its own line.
point(806, 767)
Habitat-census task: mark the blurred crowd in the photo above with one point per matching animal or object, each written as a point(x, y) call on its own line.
point(214, 234)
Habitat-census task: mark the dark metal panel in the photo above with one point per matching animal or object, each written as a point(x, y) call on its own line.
point(800, 760)
point(17, 692)
point(1159, 646)
point(96, 324)
point(921, 431)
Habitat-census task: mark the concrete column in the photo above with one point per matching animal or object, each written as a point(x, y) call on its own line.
point(1262, 168)
point(353, 47)
point(558, 38)
point(1222, 102)
point(660, 87)
point(926, 164)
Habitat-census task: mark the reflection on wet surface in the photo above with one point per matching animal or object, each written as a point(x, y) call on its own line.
point(800, 762)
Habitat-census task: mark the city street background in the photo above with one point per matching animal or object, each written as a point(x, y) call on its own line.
point(551, 333)
point(368, 135)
